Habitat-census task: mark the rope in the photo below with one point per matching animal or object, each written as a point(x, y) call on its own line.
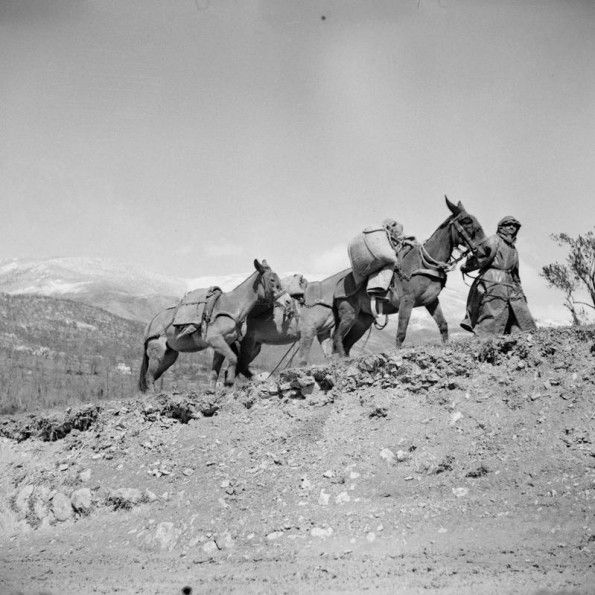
point(284, 356)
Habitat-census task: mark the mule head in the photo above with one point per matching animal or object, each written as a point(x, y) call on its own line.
point(466, 229)
point(295, 285)
point(269, 288)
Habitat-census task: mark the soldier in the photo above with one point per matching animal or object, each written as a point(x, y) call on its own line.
point(496, 303)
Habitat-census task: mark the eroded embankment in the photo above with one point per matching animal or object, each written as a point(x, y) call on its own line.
point(387, 457)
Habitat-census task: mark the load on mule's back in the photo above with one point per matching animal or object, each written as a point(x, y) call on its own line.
point(166, 337)
point(374, 255)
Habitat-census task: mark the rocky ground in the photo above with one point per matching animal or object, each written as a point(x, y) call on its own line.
point(459, 469)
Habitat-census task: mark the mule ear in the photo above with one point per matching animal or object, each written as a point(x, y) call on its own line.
point(461, 207)
point(265, 264)
point(258, 266)
point(454, 209)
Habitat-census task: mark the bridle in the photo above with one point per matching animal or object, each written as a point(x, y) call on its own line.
point(454, 225)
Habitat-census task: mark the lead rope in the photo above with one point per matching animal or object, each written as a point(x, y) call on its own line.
point(284, 356)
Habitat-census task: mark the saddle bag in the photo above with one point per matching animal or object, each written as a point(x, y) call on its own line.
point(196, 306)
point(369, 252)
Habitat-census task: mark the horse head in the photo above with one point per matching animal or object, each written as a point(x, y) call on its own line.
point(270, 289)
point(465, 228)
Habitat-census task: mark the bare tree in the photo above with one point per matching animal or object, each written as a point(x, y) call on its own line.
point(578, 272)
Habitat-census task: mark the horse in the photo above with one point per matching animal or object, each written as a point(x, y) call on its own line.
point(162, 344)
point(417, 281)
point(309, 315)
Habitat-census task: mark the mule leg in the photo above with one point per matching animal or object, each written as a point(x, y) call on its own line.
point(358, 330)
point(326, 343)
point(405, 308)
point(249, 349)
point(161, 357)
point(218, 343)
point(306, 340)
point(435, 310)
point(216, 364)
point(344, 319)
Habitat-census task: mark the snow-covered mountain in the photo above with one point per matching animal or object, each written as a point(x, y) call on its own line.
point(123, 289)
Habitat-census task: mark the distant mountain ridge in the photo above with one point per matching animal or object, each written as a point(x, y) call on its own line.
point(132, 292)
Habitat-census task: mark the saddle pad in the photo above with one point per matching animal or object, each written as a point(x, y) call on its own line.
point(191, 308)
point(313, 294)
point(346, 286)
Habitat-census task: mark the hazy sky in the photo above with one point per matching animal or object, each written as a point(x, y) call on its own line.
point(192, 136)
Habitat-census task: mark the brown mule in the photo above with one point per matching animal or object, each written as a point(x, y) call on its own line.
point(162, 342)
point(418, 281)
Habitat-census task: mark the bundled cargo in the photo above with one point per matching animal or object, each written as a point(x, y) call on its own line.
point(371, 251)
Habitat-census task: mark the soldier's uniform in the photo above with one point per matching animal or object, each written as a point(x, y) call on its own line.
point(496, 303)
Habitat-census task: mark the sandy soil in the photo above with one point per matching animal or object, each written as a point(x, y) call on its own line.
point(463, 469)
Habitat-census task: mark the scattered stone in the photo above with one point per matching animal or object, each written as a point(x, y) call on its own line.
point(455, 417)
point(323, 498)
point(306, 484)
point(166, 535)
point(342, 498)
point(460, 492)
point(479, 472)
point(187, 471)
point(328, 474)
point(61, 507)
point(85, 475)
point(371, 536)
point(274, 535)
point(125, 498)
point(224, 541)
point(21, 502)
point(81, 500)
point(149, 496)
point(210, 548)
point(401, 456)
point(388, 455)
point(321, 532)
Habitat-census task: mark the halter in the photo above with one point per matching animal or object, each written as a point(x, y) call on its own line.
point(430, 262)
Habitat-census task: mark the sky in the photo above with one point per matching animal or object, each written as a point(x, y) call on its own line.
point(190, 137)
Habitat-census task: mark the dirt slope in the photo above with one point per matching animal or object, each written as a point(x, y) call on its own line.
point(464, 469)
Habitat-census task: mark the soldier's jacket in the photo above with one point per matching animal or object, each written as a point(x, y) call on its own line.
point(496, 288)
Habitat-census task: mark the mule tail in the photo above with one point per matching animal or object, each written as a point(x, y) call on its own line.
point(142, 379)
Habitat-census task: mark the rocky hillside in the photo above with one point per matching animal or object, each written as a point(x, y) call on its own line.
point(461, 469)
point(57, 351)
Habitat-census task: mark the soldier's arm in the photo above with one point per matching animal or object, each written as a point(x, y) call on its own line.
point(484, 257)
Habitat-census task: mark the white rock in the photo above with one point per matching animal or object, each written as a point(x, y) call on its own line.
point(342, 498)
point(455, 416)
point(306, 484)
point(274, 535)
point(224, 540)
point(460, 492)
point(166, 535)
point(321, 532)
point(210, 547)
point(81, 500)
point(371, 536)
point(388, 455)
point(402, 456)
point(323, 498)
point(21, 502)
point(61, 507)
